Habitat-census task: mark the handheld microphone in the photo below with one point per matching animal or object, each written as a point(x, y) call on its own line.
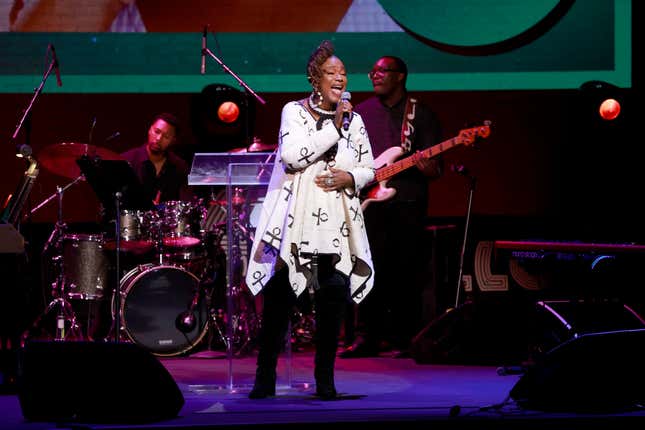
point(56, 68)
point(204, 33)
point(346, 96)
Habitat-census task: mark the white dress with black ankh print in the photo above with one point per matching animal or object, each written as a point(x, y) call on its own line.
point(298, 218)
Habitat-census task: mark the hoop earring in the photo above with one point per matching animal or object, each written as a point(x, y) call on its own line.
point(318, 95)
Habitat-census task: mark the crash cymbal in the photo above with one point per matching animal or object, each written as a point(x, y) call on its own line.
point(256, 146)
point(61, 158)
point(259, 146)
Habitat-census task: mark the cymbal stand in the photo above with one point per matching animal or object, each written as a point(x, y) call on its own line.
point(117, 286)
point(157, 228)
point(57, 194)
point(65, 316)
point(116, 329)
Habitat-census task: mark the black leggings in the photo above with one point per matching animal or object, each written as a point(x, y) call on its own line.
point(330, 301)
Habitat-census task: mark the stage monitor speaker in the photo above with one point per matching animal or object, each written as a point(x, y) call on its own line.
point(474, 334)
point(594, 372)
point(94, 382)
point(557, 321)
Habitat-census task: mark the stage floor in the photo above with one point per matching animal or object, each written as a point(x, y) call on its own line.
point(382, 390)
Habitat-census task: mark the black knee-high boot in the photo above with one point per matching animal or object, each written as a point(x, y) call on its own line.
point(278, 300)
point(331, 302)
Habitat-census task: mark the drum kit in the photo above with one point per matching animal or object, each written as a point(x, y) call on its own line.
point(169, 278)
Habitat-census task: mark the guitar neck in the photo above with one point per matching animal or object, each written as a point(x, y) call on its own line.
point(16, 203)
point(390, 170)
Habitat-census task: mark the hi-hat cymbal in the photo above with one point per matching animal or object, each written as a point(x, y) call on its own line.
point(61, 158)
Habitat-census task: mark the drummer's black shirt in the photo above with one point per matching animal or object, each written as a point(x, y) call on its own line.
point(172, 180)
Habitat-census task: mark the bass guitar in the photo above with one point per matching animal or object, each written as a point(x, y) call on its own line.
point(387, 166)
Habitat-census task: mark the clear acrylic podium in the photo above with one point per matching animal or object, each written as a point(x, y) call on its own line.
point(246, 177)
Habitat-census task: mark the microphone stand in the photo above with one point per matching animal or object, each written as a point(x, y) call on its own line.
point(25, 150)
point(229, 229)
point(230, 72)
point(472, 181)
point(266, 161)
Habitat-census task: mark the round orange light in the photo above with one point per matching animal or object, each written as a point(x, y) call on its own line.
point(609, 109)
point(228, 112)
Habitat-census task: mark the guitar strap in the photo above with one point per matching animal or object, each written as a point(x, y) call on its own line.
point(407, 129)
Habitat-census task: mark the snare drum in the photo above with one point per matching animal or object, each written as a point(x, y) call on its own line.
point(181, 223)
point(85, 266)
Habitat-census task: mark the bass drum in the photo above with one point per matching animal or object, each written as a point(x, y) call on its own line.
point(153, 296)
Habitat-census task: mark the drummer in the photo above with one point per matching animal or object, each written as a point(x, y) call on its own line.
point(163, 174)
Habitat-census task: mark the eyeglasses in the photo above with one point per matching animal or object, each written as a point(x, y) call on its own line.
point(380, 71)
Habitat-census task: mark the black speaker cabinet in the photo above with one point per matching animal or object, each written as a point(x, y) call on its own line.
point(94, 382)
point(492, 333)
point(557, 321)
point(592, 372)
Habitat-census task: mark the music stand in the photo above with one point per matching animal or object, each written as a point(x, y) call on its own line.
point(108, 177)
point(115, 184)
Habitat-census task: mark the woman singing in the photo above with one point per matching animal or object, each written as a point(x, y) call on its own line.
point(311, 236)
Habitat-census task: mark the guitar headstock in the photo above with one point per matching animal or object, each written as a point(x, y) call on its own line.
point(469, 136)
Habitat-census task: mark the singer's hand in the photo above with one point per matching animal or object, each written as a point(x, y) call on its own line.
point(334, 179)
point(342, 107)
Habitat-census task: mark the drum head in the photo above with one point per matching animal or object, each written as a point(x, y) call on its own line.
point(154, 296)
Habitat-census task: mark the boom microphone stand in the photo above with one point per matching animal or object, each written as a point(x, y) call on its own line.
point(230, 222)
point(25, 150)
point(207, 51)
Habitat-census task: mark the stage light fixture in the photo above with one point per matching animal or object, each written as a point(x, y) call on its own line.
point(222, 118)
point(228, 112)
point(609, 109)
point(604, 98)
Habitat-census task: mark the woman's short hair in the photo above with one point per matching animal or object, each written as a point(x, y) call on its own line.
point(316, 60)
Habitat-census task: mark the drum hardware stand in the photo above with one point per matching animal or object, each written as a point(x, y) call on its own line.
point(117, 286)
point(234, 324)
point(65, 311)
point(60, 226)
point(64, 314)
point(186, 321)
point(215, 315)
point(239, 326)
point(115, 330)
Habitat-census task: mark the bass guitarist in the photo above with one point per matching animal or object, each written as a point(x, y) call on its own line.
point(398, 125)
